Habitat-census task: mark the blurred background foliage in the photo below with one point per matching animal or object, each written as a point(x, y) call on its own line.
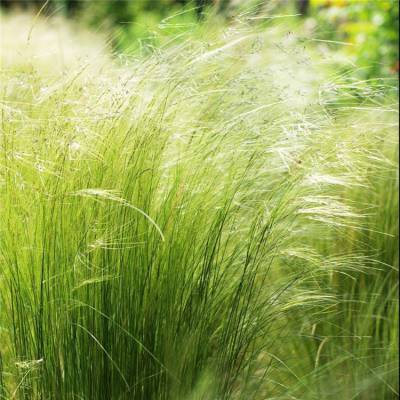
point(370, 28)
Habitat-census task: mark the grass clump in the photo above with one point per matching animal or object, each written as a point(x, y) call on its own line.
point(195, 225)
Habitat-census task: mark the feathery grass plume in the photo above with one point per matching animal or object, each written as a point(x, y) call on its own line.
point(194, 224)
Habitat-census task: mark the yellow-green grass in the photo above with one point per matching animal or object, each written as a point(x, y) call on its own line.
point(215, 221)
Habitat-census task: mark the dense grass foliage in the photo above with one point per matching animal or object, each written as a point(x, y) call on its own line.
point(216, 221)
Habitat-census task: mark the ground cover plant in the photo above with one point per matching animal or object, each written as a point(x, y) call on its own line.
point(216, 220)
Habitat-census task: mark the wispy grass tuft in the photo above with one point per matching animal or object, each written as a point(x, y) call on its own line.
point(215, 221)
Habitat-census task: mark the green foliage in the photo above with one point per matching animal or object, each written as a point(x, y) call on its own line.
point(371, 27)
point(133, 25)
point(136, 23)
point(216, 220)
